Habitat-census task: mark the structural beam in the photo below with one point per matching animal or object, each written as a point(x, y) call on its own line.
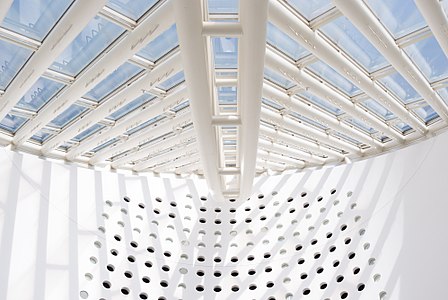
point(253, 18)
point(219, 29)
point(189, 20)
point(223, 120)
point(369, 25)
point(313, 42)
point(176, 163)
point(266, 154)
point(159, 21)
point(65, 31)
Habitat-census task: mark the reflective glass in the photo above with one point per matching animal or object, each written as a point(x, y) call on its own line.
point(272, 104)
point(181, 106)
point(308, 120)
point(145, 98)
point(108, 143)
point(284, 43)
point(227, 95)
point(39, 94)
point(444, 94)
point(311, 9)
point(327, 106)
point(225, 51)
point(132, 9)
point(347, 138)
point(400, 87)
point(330, 75)
point(342, 32)
point(88, 132)
point(41, 136)
point(145, 124)
point(95, 37)
point(34, 18)
point(67, 115)
point(223, 6)
point(172, 81)
point(378, 109)
point(12, 123)
point(161, 45)
point(399, 16)
point(361, 125)
point(12, 58)
point(429, 58)
point(426, 113)
point(125, 72)
point(403, 127)
point(278, 79)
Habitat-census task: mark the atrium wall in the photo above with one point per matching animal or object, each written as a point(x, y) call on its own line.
point(68, 232)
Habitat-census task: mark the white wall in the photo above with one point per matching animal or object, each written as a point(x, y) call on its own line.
point(50, 213)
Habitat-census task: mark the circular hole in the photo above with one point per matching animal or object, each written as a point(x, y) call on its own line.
point(332, 248)
point(199, 288)
point(376, 277)
point(268, 269)
point(303, 194)
point(217, 289)
point(339, 278)
point(316, 255)
point(146, 279)
point(300, 261)
point(319, 270)
point(150, 249)
point(114, 252)
point(164, 283)
point(362, 232)
point(329, 235)
point(202, 220)
point(110, 268)
point(102, 229)
point(361, 287)
point(183, 271)
point(165, 268)
point(218, 221)
point(323, 286)
point(201, 258)
point(126, 199)
point(383, 295)
point(172, 215)
point(343, 227)
point(148, 264)
point(200, 273)
point(83, 294)
point(128, 274)
point(344, 295)
point(131, 258)
point(217, 274)
point(270, 284)
point(106, 284)
point(267, 255)
point(234, 259)
point(97, 244)
point(356, 270)
point(117, 237)
point(217, 259)
point(347, 241)
point(235, 288)
point(333, 191)
point(336, 263)
point(366, 246)
point(125, 291)
point(88, 276)
point(167, 253)
point(93, 260)
point(351, 255)
point(306, 291)
point(251, 272)
point(303, 276)
point(313, 242)
point(234, 273)
point(134, 244)
point(371, 261)
point(203, 198)
point(306, 205)
point(299, 247)
point(143, 296)
point(252, 287)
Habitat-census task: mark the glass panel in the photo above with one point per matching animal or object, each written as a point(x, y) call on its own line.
point(284, 43)
point(227, 95)
point(34, 18)
point(12, 123)
point(223, 6)
point(11, 61)
point(399, 16)
point(97, 35)
point(311, 9)
point(403, 127)
point(88, 132)
point(132, 9)
point(161, 45)
point(378, 109)
point(181, 106)
point(347, 138)
point(429, 58)
point(39, 94)
point(41, 136)
point(278, 79)
point(68, 115)
point(108, 143)
point(145, 124)
point(342, 32)
point(426, 113)
point(308, 120)
point(225, 52)
point(361, 125)
point(125, 72)
point(172, 81)
point(139, 101)
point(327, 106)
point(400, 87)
point(327, 73)
point(271, 104)
point(444, 93)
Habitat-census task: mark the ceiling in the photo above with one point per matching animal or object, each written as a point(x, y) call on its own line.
point(224, 89)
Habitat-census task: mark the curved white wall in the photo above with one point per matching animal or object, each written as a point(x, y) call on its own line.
point(56, 220)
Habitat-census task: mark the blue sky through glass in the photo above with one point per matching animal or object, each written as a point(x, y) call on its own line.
point(12, 58)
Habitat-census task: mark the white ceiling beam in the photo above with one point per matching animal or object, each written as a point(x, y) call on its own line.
point(310, 111)
point(230, 171)
point(65, 31)
point(158, 157)
point(195, 167)
point(126, 95)
point(277, 158)
point(159, 21)
point(189, 20)
point(270, 165)
point(154, 148)
point(253, 18)
point(220, 29)
point(226, 120)
point(369, 25)
point(170, 166)
point(140, 138)
point(313, 42)
point(220, 82)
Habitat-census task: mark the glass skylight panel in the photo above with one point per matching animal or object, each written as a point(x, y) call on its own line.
point(327, 106)
point(139, 101)
point(11, 61)
point(330, 75)
point(172, 81)
point(311, 9)
point(225, 51)
point(347, 138)
point(429, 58)
point(132, 9)
point(400, 88)
point(342, 32)
point(361, 125)
point(95, 37)
point(403, 127)
point(39, 94)
point(67, 115)
point(106, 144)
point(41, 136)
point(284, 43)
point(161, 45)
point(181, 106)
point(125, 72)
point(426, 113)
point(227, 95)
point(400, 17)
point(272, 104)
point(444, 94)
point(145, 124)
point(223, 6)
point(308, 120)
point(378, 109)
point(12, 123)
point(278, 79)
point(34, 18)
point(88, 132)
